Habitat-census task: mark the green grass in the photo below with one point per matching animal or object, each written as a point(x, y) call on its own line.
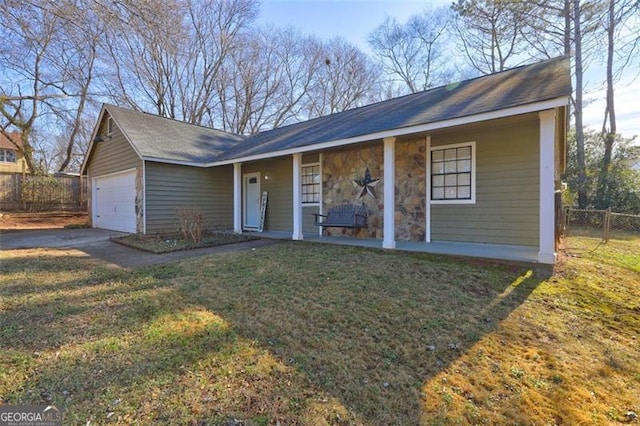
point(302, 333)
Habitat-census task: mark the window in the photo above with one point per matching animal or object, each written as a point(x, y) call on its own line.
point(453, 173)
point(7, 156)
point(311, 184)
point(109, 126)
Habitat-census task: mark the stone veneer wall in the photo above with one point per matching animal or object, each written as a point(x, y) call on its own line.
point(339, 169)
point(410, 190)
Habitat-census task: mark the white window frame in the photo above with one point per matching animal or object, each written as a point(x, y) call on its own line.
point(315, 203)
point(471, 144)
point(3, 156)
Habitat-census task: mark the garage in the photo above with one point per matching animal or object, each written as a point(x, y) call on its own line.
point(114, 198)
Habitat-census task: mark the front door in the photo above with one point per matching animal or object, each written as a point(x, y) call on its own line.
point(251, 186)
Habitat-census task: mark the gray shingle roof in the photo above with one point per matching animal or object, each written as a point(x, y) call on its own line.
point(524, 85)
point(167, 139)
point(170, 140)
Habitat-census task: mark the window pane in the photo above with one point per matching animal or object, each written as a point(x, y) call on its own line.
point(450, 193)
point(437, 181)
point(464, 179)
point(464, 192)
point(437, 168)
point(464, 165)
point(437, 155)
point(438, 193)
point(450, 180)
point(464, 153)
point(450, 154)
point(450, 167)
point(10, 156)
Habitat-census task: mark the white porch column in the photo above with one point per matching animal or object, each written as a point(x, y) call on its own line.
point(389, 228)
point(297, 197)
point(237, 198)
point(547, 187)
point(427, 207)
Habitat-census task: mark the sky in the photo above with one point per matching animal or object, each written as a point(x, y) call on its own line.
point(353, 20)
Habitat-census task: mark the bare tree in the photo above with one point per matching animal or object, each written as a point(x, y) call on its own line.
point(28, 83)
point(77, 55)
point(268, 80)
point(490, 32)
point(414, 54)
point(613, 20)
point(50, 53)
point(168, 56)
point(567, 27)
point(347, 78)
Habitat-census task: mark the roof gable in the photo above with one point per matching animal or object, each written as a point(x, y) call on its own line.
point(5, 143)
point(160, 138)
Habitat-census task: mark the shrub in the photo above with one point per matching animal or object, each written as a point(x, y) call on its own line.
point(190, 224)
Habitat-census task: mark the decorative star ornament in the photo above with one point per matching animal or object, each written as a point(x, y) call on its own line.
point(366, 185)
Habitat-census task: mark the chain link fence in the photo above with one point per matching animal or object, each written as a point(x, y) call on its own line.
point(600, 225)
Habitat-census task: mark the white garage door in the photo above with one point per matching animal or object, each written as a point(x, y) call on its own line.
point(114, 202)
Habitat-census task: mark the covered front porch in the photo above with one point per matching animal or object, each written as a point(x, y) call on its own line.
point(511, 253)
point(500, 201)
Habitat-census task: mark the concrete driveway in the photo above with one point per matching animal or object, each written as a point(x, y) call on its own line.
point(54, 238)
point(95, 244)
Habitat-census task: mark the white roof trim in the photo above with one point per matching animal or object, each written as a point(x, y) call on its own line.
point(522, 109)
point(176, 162)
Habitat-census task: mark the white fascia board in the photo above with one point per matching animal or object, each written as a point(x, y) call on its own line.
point(177, 162)
point(471, 119)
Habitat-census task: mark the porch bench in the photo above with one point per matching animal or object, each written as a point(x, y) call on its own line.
point(343, 216)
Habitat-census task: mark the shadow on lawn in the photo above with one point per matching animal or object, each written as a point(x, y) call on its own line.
point(272, 333)
point(369, 327)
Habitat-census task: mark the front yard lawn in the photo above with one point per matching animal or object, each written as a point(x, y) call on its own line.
point(312, 334)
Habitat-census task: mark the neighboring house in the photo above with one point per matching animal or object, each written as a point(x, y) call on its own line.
point(470, 168)
point(11, 160)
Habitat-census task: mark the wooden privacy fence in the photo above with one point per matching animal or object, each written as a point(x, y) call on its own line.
point(33, 193)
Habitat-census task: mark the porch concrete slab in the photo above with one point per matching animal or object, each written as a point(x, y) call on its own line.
point(484, 251)
point(501, 252)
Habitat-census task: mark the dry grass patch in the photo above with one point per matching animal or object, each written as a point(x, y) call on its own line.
point(569, 355)
point(48, 220)
point(302, 333)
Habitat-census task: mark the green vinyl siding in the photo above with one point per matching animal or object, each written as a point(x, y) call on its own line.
point(113, 154)
point(172, 187)
point(308, 219)
point(279, 185)
point(507, 189)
